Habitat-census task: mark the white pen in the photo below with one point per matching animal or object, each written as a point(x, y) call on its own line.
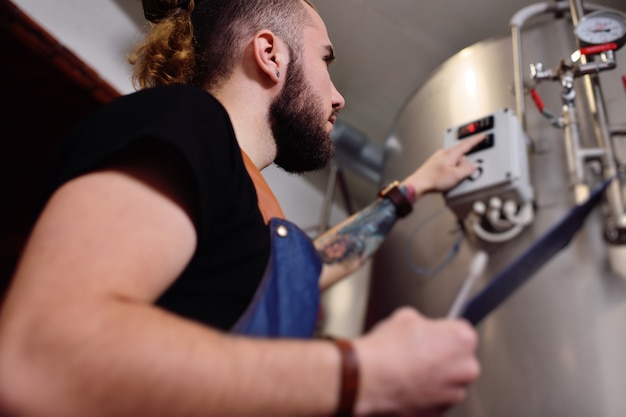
point(476, 269)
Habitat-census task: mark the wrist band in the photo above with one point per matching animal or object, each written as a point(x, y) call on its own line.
point(397, 197)
point(349, 387)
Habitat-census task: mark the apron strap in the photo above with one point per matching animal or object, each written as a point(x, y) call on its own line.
point(268, 204)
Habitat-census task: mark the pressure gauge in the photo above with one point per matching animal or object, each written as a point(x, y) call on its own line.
point(601, 27)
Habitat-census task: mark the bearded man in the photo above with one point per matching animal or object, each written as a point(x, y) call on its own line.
point(159, 246)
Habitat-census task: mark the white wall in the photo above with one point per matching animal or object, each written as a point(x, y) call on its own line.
point(97, 31)
point(101, 34)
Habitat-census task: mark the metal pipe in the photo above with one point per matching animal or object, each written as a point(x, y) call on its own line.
point(328, 198)
point(573, 151)
point(576, 10)
point(345, 192)
point(603, 140)
point(519, 79)
point(592, 89)
point(599, 120)
point(517, 22)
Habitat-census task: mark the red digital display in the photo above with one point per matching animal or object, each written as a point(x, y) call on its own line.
point(475, 127)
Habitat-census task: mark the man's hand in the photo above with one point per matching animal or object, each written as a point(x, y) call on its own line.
point(444, 169)
point(411, 365)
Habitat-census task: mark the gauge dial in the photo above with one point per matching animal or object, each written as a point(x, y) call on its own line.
point(601, 27)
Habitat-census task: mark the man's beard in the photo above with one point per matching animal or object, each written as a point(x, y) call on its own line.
point(298, 125)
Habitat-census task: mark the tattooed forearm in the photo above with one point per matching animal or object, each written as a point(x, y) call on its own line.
point(359, 236)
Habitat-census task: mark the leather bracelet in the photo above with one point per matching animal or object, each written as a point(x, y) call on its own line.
point(349, 387)
point(397, 197)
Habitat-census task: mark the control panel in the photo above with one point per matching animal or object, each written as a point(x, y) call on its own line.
point(502, 160)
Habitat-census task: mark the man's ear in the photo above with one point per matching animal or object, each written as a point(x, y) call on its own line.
point(270, 54)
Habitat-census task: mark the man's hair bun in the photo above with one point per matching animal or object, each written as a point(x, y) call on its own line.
point(156, 10)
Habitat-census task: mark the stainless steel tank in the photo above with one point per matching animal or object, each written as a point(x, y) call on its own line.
point(557, 347)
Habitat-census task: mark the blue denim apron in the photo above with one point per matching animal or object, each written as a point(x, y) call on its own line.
point(286, 303)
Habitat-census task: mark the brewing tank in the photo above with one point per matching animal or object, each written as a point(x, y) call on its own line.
point(557, 346)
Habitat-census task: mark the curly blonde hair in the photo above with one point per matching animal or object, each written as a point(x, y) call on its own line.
point(200, 41)
point(167, 53)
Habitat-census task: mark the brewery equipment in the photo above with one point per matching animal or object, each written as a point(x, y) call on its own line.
point(551, 102)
